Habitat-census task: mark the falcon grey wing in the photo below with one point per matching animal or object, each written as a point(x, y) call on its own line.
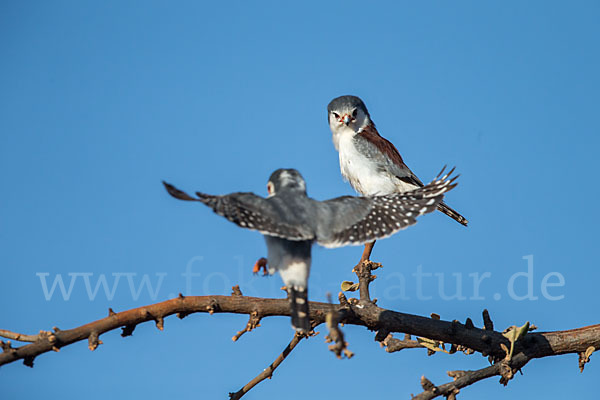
point(385, 156)
point(356, 220)
point(248, 211)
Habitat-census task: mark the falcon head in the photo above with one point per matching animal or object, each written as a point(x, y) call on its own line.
point(285, 179)
point(347, 115)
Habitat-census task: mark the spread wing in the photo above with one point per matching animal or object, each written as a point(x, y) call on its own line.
point(248, 211)
point(356, 220)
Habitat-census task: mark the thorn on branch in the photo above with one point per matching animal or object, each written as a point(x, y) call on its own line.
point(28, 361)
point(93, 341)
point(469, 324)
point(160, 323)
point(182, 315)
point(7, 346)
point(428, 386)
point(487, 321)
point(111, 312)
point(456, 374)
point(236, 291)
point(253, 322)
point(127, 330)
point(343, 300)
point(584, 357)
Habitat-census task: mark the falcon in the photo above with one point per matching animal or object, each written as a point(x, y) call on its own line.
point(371, 163)
point(292, 222)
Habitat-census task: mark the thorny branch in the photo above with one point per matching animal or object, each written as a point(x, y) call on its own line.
point(431, 333)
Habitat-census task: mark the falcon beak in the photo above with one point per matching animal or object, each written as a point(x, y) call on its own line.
point(346, 119)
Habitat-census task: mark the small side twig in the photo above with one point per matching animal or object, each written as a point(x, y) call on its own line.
point(268, 372)
point(363, 272)
point(336, 336)
point(505, 369)
point(18, 336)
point(253, 322)
point(393, 345)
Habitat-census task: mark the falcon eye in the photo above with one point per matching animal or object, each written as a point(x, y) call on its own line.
point(270, 188)
point(355, 112)
point(336, 115)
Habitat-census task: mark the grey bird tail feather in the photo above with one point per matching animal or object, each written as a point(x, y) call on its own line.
point(443, 207)
point(299, 309)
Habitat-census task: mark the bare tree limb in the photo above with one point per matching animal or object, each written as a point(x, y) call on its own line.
point(365, 314)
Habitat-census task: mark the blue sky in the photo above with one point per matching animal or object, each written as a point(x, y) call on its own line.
point(102, 100)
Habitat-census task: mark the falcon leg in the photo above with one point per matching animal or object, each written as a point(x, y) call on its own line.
point(260, 264)
point(367, 251)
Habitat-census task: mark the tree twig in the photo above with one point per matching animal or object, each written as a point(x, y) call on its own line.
point(349, 311)
point(465, 378)
point(363, 272)
point(268, 372)
point(393, 345)
point(18, 336)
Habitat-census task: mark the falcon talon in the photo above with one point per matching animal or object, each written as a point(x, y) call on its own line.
point(261, 264)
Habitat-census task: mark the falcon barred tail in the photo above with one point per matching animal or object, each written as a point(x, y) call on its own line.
point(449, 211)
point(299, 309)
